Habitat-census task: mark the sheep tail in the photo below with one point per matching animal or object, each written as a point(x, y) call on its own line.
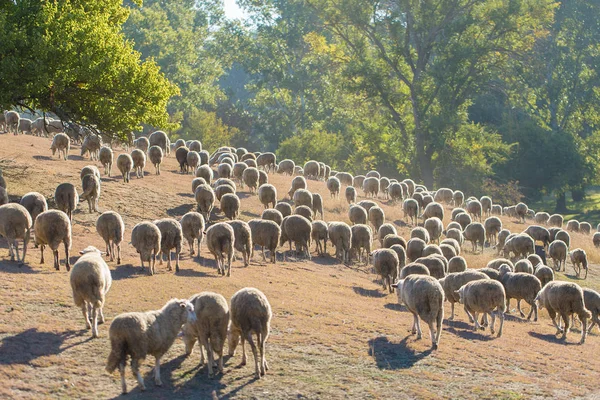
point(118, 354)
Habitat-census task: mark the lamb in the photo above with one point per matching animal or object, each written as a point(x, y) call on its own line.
point(62, 144)
point(414, 248)
point(385, 230)
point(15, 223)
point(340, 235)
point(524, 265)
point(155, 154)
point(111, 229)
point(52, 228)
point(243, 239)
point(544, 274)
point(424, 298)
point(143, 144)
point(486, 296)
point(212, 319)
point(357, 214)
point(297, 229)
point(538, 233)
point(284, 208)
point(433, 210)
point(146, 239)
point(434, 227)
point(268, 161)
point(521, 210)
point(206, 173)
point(493, 226)
point(92, 144)
point(90, 280)
point(66, 198)
point(137, 334)
point(520, 286)
point(35, 203)
point(376, 217)
point(220, 239)
point(160, 139)
point(572, 226)
point(91, 191)
point(410, 207)
point(333, 185)
point(371, 186)
point(521, 245)
point(205, 199)
point(125, 165)
point(475, 233)
point(457, 264)
point(265, 233)
point(451, 283)
point(475, 209)
point(319, 234)
point(564, 298)
point(362, 238)
point(557, 251)
point(579, 260)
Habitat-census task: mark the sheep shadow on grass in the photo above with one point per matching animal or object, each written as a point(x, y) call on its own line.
point(188, 195)
point(126, 271)
point(42, 158)
point(180, 211)
point(395, 307)
point(394, 356)
point(369, 292)
point(14, 267)
point(31, 344)
point(552, 338)
point(465, 331)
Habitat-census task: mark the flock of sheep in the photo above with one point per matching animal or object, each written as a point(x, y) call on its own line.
point(424, 270)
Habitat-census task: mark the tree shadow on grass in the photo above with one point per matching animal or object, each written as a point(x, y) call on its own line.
point(369, 292)
point(31, 344)
point(394, 356)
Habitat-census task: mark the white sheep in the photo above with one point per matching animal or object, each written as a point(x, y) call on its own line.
point(265, 233)
point(220, 239)
point(91, 191)
point(111, 229)
point(106, 159)
point(62, 144)
point(145, 238)
point(15, 223)
point(125, 165)
point(486, 296)
point(520, 286)
point(52, 228)
point(340, 235)
point(192, 226)
point(171, 237)
point(580, 261)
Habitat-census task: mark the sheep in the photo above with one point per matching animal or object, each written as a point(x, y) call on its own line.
point(521, 210)
point(458, 198)
point(410, 186)
point(206, 173)
point(346, 178)
point(421, 233)
point(434, 264)
point(541, 217)
point(556, 220)
point(413, 268)
point(497, 263)
point(35, 203)
point(564, 298)
point(362, 238)
point(520, 245)
point(557, 251)
point(125, 165)
point(284, 208)
point(238, 171)
point(192, 227)
point(193, 160)
point(475, 233)
point(91, 191)
point(106, 159)
point(376, 217)
point(564, 236)
point(146, 239)
point(24, 125)
point(179, 143)
point(596, 239)
point(15, 223)
point(297, 229)
point(319, 234)
point(452, 243)
point(312, 169)
point(225, 181)
point(455, 234)
point(333, 185)
point(62, 144)
point(457, 264)
point(160, 139)
point(357, 214)
point(52, 228)
point(431, 249)
point(92, 144)
point(265, 233)
point(371, 187)
point(448, 250)
point(272, 214)
point(317, 205)
point(524, 265)
point(230, 205)
point(205, 198)
point(544, 274)
point(463, 220)
point(410, 207)
point(373, 174)
point(579, 260)
point(502, 236)
point(263, 178)
point(181, 155)
point(520, 286)
point(414, 248)
point(534, 259)
point(225, 170)
point(220, 240)
point(350, 195)
point(137, 334)
point(90, 281)
point(451, 283)
point(486, 205)
point(142, 143)
point(89, 170)
point(391, 239)
point(538, 233)
point(222, 190)
point(591, 300)
point(474, 208)
point(395, 192)
point(385, 230)
point(386, 262)
point(486, 296)
point(443, 195)
point(572, 226)
point(250, 313)
point(171, 237)
point(268, 161)
point(340, 235)
point(111, 229)
point(299, 182)
point(585, 228)
point(493, 226)
point(248, 156)
point(155, 154)
point(424, 298)
point(433, 210)
point(286, 167)
point(496, 210)
point(243, 239)
point(303, 197)
point(434, 227)
point(66, 198)
point(305, 212)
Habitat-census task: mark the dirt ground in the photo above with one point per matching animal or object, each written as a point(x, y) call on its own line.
point(335, 332)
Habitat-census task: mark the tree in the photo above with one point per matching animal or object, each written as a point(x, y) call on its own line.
point(71, 58)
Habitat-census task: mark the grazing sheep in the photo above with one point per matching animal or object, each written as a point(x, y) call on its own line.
point(362, 239)
point(391, 239)
point(591, 300)
point(371, 187)
point(367, 204)
point(474, 208)
point(579, 260)
point(24, 125)
point(125, 164)
point(250, 313)
point(413, 269)
point(340, 235)
point(520, 286)
point(284, 208)
point(521, 211)
point(572, 226)
point(248, 156)
point(320, 234)
point(534, 259)
point(297, 183)
point(89, 170)
point(386, 262)
point(556, 220)
point(155, 154)
point(410, 207)
point(312, 169)
point(458, 198)
point(564, 298)
point(414, 248)
point(430, 250)
point(543, 273)
point(433, 210)
point(106, 159)
point(303, 197)
point(497, 263)
point(142, 143)
point(376, 217)
point(463, 220)
point(585, 228)
point(455, 234)
point(238, 172)
point(205, 199)
point(524, 265)
point(564, 236)
point(475, 233)
point(250, 178)
point(66, 198)
point(435, 265)
point(333, 185)
point(220, 240)
point(492, 226)
point(92, 144)
point(410, 186)
point(457, 211)
point(265, 233)
point(317, 205)
point(395, 192)
point(62, 144)
point(357, 181)
point(160, 139)
point(357, 214)
point(542, 218)
point(193, 160)
point(91, 191)
point(452, 243)
point(502, 236)
point(424, 298)
point(225, 170)
point(521, 245)
point(35, 203)
point(15, 223)
point(373, 174)
point(52, 228)
point(486, 205)
point(272, 214)
point(596, 239)
point(181, 155)
point(457, 264)
point(286, 167)
point(444, 195)
point(421, 233)
point(451, 283)
point(345, 178)
point(268, 161)
point(384, 230)
point(222, 190)
point(111, 229)
point(197, 182)
point(297, 229)
point(90, 281)
point(557, 251)
point(434, 227)
point(230, 205)
point(206, 173)
point(448, 250)
point(137, 334)
point(538, 233)
point(305, 212)
point(171, 236)
point(350, 194)
point(486, 296)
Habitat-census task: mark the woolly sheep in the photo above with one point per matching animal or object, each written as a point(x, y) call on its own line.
point(538, 233)
point(357, 181)
point(564, 298)
point(230, 205)
point(350, 195)
point(333, 185)
point(171, 236)
point(265, 233)
point(297, 229)
point(125, 164)
point(66, 198)
point(564, 236)
point(181, 156)
point(520, 245)
point(458, 198)
point(448, 251)
point(585, 228)
point(464, 220)
point(106, 159)
point(557, 251)
point(427, 200)
point(556, 220)
point(345, 178)
point(434, 264)
point(286, 167)
point(486, 296)
point(385, 262)
point(268, 161)
point(312, 169)
point(413, 269)
point(272, 214)
point(284, 208)
point(572, 226)
point(591, 300)
point(206, 173)
point(541, 217)
point(391, 239)
point(92, 144)
point(24, 125)
point(596, 239)
point(362, 239)
point(544, 274)
point(424, 298)
point(456, 211)
point(502, 236)
point(205, 198)
point(433, 210)
point(195, 145)
point(146, 239)
point(524, 265)
point(192, 227)
point(297, 183)
point(220, 240)
point(340, 235)
point(414, 248)
point(521, 210)
point(457, 264)
point(579, 260)
point(496, 210)
point(371, 187)
point(305, 212)
point(319, 234)
point(411, 209)
point(443, 195)
point(317, 205)
point(520, 286)
point(421, 233)
point(138, 334)
point(224, 170)
point(221, 191)
point(52, 228)
point(475, 233)
point(62, 144)
point(15, 223)
point(243, 239)
point(452, 243)
point(493, 226)
point(248, 156)
point(160, 139)
point(142, 143)
point(451, 283)
point(35, 203)
point(395, 192)
point(431, 249)
point(455, 234)
point(111, 229)
point(534, 259)
point(90, 281)
point(385, 230)
point(376, 217)
point(303, 197)
point(475, 209)
point(374, 174)
point(91, 191)
point(497, 263)
point(434, 227)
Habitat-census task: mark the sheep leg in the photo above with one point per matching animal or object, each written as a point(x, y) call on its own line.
point(152, 263)
point(94, 322)
point(418, 324)
point(118, 246)
point(451, 311)
point(471, 319)
point(263, 254)
point(157, 380)
point(255, 353)
point(86, 317)
point(135, 368)
point(169, 261)
point(583, 330)
point(56, 261)
point(566, 329)
point(475, 318)
point(520, 311)
point(264, 364)
point(243, 339)
point(122, 372)
point(66, 257)
point(209, 354)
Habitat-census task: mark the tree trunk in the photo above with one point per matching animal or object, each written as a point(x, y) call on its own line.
point(424, 160)
point(561, 203)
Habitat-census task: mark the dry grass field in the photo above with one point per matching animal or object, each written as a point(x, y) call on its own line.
point(335, 332)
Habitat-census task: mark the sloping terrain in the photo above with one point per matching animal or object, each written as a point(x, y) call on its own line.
point(335, 332)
